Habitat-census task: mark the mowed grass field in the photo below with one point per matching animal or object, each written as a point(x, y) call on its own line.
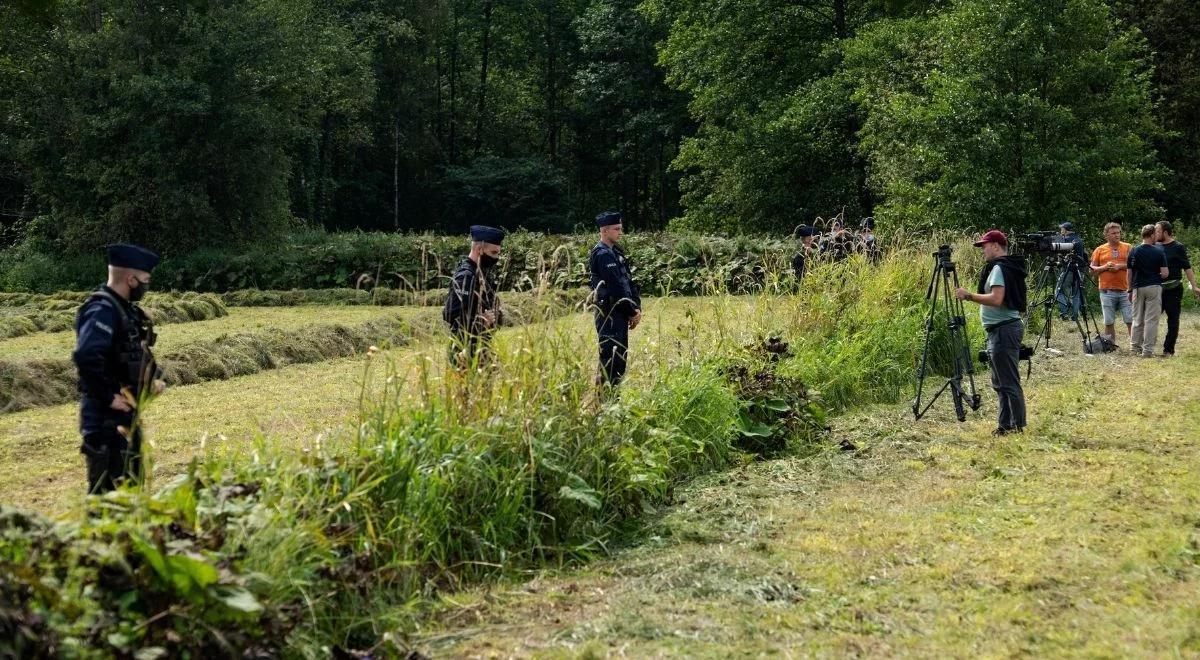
point(1079, 538)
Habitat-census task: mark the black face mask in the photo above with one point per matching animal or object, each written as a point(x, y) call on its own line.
point(139, 292)
point(488, 261)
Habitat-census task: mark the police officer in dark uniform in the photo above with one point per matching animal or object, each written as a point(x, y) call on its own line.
point(116, 368)
point(840, 243)
point(471, 308)
point(618, 301)
point(867, 242)
point(808, 238)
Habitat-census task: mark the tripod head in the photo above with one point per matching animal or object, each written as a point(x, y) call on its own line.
point(943, 257)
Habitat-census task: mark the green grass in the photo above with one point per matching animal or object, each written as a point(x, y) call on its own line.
point(934, 539)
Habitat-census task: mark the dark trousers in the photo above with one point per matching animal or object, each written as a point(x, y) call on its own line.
point(613, 330)
point(111, 459)
point(1004, 352)
point(1172, 305)
point(1069, 294)
point(469, 351)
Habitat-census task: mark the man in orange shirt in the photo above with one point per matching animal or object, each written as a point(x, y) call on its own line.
point(1109, 266)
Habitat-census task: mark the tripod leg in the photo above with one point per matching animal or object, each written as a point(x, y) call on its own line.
point(931, 295)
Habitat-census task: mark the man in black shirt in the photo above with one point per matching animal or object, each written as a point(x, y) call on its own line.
point(472, 310)
point(618, 302)
point(1178, 265)
point(1147, 270)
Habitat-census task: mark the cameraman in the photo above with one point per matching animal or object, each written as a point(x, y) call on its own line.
point(1001, 295)
point(1069, 292)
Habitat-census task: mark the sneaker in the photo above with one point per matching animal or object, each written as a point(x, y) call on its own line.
point(1006, 430)
point(1167, 355)
point(1146, 355)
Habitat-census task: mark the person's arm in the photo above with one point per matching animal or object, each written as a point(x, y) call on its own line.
point(1094, 266)
point(993, 298)
point(462, 301)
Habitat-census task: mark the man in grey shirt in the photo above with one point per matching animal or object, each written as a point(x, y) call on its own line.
point(1002, 296)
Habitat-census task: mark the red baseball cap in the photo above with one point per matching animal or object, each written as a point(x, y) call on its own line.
point(992, 236)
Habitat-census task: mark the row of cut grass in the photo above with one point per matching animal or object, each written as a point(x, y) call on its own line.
point(57, 315)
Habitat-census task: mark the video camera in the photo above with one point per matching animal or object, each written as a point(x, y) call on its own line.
point(1045, 242)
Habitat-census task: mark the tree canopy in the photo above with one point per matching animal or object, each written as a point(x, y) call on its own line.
point(186, 123)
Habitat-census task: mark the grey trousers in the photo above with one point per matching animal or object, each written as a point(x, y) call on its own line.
point(1004, 351)
point(1147, 306)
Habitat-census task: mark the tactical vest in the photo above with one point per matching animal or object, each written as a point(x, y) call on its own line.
point(131, 361)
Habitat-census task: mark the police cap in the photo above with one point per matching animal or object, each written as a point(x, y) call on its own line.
point(487, 234)
point(125, 255)
point(608, 218)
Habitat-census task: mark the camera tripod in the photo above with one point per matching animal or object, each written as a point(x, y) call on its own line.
point(942, 284)
point(1061, 278)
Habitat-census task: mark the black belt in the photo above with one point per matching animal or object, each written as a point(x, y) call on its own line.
point(1002, 324)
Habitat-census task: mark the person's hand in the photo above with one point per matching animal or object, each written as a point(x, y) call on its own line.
point(159, 386)
point(1111, 266)
point(635, 320)
point(961, 293)
point(1196, 292)
point(120, 403)
point(489, 317)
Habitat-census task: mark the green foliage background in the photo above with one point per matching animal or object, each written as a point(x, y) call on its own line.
point(226, 122)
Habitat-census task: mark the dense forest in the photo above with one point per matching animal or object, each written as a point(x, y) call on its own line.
point(184, 123)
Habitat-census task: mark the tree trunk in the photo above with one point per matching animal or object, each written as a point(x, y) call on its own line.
point(322, 165)
point(551, 85)
point(839, 19)
point(454, 88)
point(439, 123)
point(485, 48)
point(396, 173)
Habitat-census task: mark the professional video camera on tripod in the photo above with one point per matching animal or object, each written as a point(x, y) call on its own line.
point(942, 285)
point(1062, 278)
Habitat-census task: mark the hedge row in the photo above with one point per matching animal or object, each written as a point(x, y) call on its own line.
point(32, 383)
point(664, 262)
point(57, 314)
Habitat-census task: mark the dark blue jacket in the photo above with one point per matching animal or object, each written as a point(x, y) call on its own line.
point(612, 281)
point(472, 291)
point(1080, 252)
point(112, 351)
